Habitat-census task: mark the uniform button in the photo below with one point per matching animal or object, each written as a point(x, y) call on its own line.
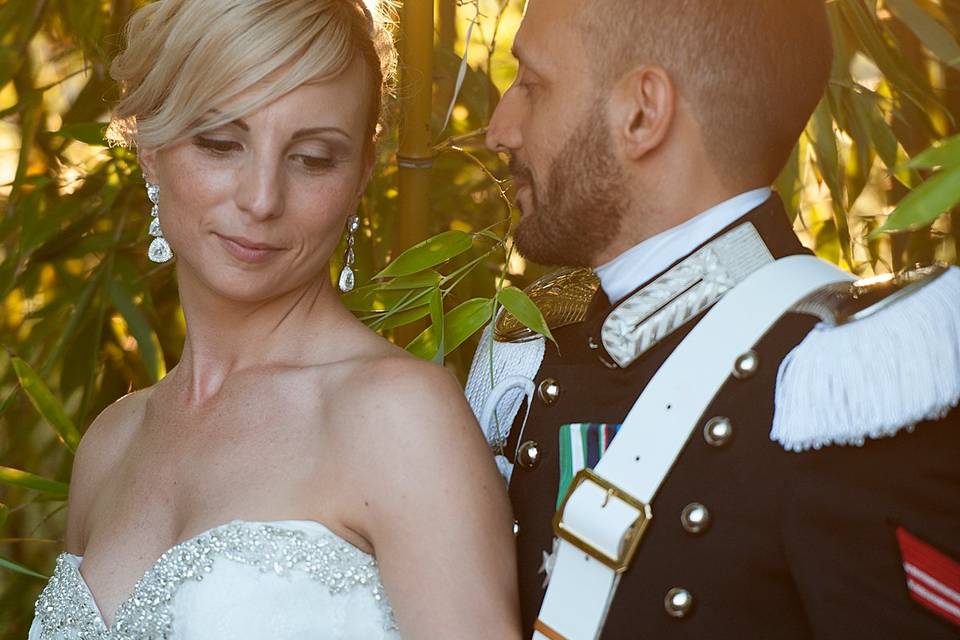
point(549, 391)
point(695, 518)
point(746, 365)
point(678, 603)
point(516, 528)
point(528, 455)
point(718, 431)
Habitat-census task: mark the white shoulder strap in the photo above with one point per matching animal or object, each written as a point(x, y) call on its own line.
point(605, 513)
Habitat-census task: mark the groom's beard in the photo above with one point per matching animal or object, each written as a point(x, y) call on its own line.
point(579, 213)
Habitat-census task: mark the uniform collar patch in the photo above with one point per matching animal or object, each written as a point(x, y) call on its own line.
point(644, 319)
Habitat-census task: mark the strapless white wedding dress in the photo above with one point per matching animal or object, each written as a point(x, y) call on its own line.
point(282, 580)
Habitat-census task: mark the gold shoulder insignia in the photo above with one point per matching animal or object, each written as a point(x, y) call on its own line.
point(562, 297)
point(847, 302)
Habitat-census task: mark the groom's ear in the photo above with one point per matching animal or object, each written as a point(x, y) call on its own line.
point(642, 106)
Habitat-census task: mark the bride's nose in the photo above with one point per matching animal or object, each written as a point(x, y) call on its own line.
point(259, 188)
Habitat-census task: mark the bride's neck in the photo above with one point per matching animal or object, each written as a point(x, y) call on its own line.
point(224, 336)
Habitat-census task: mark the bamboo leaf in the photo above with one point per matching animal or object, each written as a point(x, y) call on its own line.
point(926, 203)
point(932, 34)
point(874, 38)
point(45, 402)
point(437, 321)
point(422, 280)
point(147, 342)
point(77, 317)
point(459, 324)
point(946, 154)
point(429, 253)
point(523, 309)
point(4, 512)
point(825, 146)
point(465, 320)
point(403, 318)
point(375, 298)
point(881, 134)
point(789, 184)
point(26, 480)
point(91, 133)
point(19, 568)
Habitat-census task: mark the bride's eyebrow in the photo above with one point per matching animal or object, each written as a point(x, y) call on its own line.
point(300, 133)
point(209, 115)
point(303, 133)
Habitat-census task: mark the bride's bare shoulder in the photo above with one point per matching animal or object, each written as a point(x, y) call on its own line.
point(100, 447)
point(398, 400)
point(398, 380)
point(113, 427)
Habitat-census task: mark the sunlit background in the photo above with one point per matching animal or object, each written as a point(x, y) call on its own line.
point(85, 317)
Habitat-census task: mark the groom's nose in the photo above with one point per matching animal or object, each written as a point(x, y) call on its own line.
point(503, 132)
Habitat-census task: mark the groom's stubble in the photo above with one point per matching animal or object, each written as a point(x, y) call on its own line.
point(578, 210)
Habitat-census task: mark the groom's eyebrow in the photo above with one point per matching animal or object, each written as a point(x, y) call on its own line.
point(520, 54)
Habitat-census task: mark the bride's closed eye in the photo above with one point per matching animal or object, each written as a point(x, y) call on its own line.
point(315, 163)
point(216, 146)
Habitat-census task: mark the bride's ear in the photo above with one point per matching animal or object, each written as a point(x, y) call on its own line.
point(148, 163)
point(370, 162)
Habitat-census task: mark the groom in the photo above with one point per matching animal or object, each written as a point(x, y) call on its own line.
point(643, 138)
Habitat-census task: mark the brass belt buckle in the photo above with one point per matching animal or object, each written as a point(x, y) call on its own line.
point(631, 539)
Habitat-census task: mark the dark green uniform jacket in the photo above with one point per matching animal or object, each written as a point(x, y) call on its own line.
point(798, 545)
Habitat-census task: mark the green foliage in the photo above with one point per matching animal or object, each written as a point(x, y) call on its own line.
point(523, 309)
point(893, 93)
point(45, 402)
point(90, 318)
point(18, 478)
point(427, 254)
point(458, 325)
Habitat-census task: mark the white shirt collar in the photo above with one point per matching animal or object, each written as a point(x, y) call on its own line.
point(639, 264)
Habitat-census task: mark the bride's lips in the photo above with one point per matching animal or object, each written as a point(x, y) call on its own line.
point(247, 250)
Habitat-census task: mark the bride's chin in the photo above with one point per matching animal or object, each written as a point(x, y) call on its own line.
point(249, 286)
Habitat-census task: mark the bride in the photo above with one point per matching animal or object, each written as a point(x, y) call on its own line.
point(294, 476)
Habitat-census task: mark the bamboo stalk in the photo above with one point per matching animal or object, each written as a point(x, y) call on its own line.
point(447, 23)
point(415, 156)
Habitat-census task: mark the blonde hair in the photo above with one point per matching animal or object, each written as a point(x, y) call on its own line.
point(186, 57)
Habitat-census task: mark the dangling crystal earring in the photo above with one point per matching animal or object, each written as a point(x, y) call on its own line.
point(159, 249)
point(347, 277)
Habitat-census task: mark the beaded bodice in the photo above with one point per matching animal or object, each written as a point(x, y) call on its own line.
point(285, 579)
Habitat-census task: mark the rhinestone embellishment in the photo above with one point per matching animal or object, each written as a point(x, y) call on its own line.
point(348, 277)
point(65, 608)
point(159, 250)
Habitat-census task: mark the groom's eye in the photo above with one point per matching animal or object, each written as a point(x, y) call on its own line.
point(530, 89)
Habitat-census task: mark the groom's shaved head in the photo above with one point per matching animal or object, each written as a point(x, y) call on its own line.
point(753, 70)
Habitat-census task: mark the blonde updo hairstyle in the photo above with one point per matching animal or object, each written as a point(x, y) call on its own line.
point(184, 58)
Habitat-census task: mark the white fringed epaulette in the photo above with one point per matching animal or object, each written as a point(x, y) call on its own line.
point(509, 354)
point(885, 357)
point(501, 377)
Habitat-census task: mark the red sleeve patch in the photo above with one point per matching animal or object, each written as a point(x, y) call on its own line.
point(933, 578)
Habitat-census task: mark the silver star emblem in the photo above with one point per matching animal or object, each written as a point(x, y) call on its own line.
point(549, 559)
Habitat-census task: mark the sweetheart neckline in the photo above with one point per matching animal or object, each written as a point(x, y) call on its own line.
point(110, 626)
